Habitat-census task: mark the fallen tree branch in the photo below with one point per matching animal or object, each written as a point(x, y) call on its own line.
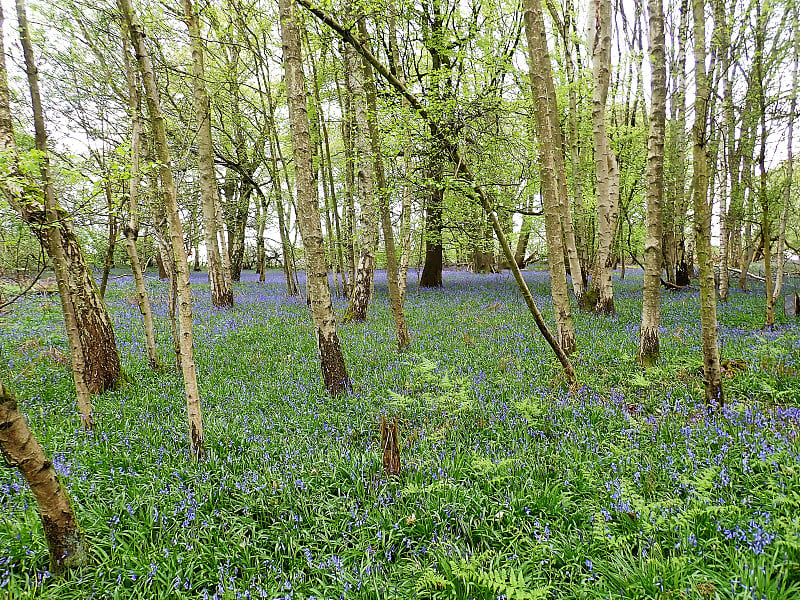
point(739, 272)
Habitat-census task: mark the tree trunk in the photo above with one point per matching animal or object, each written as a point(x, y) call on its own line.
point(334, 372)
point(521, 251)
point(405, 212)
point(439, 96)
point(762, 18)
point(748, 203)
point(113, 228)
point(580, 236)
point(20, 449)
point(601, 292)
point(726, 211)
point(434, 249)
point(395, 295)
point(51, 233)
point(346, 104)
point(678, 271)
point(712, 373)
point(334, 207)
point(319, 136)
point(368, 223)
point(221, 288)
point(131, 230)
point(741, 179)
point(648, 338)
point(483, 257)
point(191, 391)
point(275, 156)
point(544, 107)
point(167, 259)
point(286, 245)
point(237, 203)
point(261, 217)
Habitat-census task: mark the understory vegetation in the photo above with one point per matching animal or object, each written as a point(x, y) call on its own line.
point(512, 485)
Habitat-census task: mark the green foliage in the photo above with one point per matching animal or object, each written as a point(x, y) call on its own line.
point(437, 389)
point(471, 578)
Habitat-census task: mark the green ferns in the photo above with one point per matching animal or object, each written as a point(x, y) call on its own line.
point(469, 578)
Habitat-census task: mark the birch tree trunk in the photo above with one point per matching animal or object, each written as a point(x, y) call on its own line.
point(19, 448)
point(368, 223)
point(762, 17)
point(221, 287)
point(601, 291)
point(346, 104)
point(712, 374)
point(405, 211)
point(131, 229)
point(726, 211)
point(334, 372)
point(191, 391)
point(395, 295)
point(568, 33)
point(648, 338)
point(544, 109)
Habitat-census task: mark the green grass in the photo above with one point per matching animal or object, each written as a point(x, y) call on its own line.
point(511, 484)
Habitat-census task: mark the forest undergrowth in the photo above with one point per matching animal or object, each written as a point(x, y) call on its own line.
point(512, 485)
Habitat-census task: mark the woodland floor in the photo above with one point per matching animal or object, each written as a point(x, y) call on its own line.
point(511, 486)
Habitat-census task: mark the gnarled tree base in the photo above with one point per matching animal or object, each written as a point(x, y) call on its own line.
point(649, 349)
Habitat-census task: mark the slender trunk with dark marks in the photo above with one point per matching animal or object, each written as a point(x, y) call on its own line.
point(395, 295)
point(131, 229)
point(334, 371)
point(188, 369)
point(651, 312)
point(221, 288)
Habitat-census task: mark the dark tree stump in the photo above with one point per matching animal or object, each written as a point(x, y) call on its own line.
point(390, 442)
